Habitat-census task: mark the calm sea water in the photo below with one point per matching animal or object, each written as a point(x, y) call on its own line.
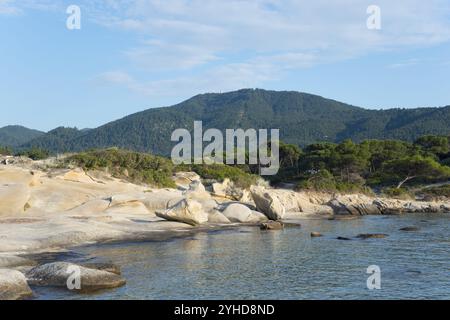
point(247, 263)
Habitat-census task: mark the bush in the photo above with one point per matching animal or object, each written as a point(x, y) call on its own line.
point(35, 153)
point(5, 151)
point(345, 187)
point(397, 193)
point(322, 181)
point(134, 166)
point(441, 191)
point(219, 172)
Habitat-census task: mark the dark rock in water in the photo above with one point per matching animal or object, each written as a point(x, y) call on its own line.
point(343, 217)
point(315, 234)
point(104, 266)
point(409, 229)
point(343, 238)
point(272, 225)
point(414, 271)
point(371, 236)
point(291, 225)
point(57, 274)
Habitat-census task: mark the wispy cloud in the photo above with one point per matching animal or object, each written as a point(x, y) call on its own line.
point(218, 45)
point(7, 7)
point(404, 64)
point(16, 7)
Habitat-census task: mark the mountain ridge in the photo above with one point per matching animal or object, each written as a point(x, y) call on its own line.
point(16, 135)
point(301, 117)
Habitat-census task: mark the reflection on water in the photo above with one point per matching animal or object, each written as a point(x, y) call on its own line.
point(248, 263)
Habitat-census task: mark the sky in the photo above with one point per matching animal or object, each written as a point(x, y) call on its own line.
point(132, 55)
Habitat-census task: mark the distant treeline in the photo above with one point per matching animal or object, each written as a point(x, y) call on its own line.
point(345, 166)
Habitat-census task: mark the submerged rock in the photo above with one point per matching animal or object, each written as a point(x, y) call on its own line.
point(187, 211)
point(272, 225)
point(13, 285)
point(371, 235)
point(57, 274)
point(411, 228)
point(343, 217)
point(343, 238)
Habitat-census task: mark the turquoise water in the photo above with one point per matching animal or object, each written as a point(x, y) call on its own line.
point(247, 263)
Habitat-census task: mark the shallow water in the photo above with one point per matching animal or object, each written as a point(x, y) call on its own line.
point(247, 263)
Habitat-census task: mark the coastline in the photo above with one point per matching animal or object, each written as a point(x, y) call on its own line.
point(57, 209)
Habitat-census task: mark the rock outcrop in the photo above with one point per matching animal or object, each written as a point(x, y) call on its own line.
point(184, 179)
point(58, 274)
point(196, 191)
point(8, 261)
point(268, 203)
point(217, 217)
point(187, 211)
point(237, 212)
point(13, 285)
point(13, 198)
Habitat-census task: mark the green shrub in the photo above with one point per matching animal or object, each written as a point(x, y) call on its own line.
point(397, 193)
point(35, 153)
point(441, 191)
point(345, 187)
point(134, 166)
point(5, 151)
point(322, 181)
point(219, 172)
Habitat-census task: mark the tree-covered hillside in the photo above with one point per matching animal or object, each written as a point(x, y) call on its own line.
point(12, 136)
point(302, 119)
point(56, 140)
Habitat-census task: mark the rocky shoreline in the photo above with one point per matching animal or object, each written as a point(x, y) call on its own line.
point(54, 209)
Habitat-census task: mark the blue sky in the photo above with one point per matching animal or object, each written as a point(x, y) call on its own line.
point(132, 55)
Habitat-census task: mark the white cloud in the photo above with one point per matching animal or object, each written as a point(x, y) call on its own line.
point(7, 7)
point(404, 64)
point(226, 44)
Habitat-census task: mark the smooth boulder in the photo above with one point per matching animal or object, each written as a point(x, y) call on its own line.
point(268, 204)
point(220, 189)
point(187, 211)
point(217, 217)
point(196, 191)
point(240, 213)
point(13, 285)
point(57, 274)
point(237, 212)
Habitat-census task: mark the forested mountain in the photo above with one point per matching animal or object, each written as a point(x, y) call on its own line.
point(55, 140)
point(302, 119)
point(12, 136)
